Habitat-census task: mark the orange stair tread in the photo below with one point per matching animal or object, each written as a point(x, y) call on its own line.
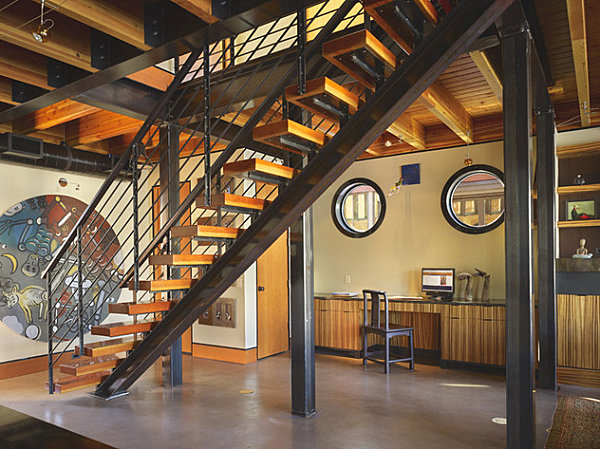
point(87, 365)
point(267, 133)
point(182, 259)
point(163, 285)
point(72, 383)
point(204, 231)
point(130, 308)
point(260, 166)
point(107, 347)
point(117, 329)
point(230, 199)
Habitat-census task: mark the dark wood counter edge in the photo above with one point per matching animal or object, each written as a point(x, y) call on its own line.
point(494, 303)
point(570, 265)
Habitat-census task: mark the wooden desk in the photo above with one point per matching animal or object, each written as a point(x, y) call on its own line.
point(472, 333)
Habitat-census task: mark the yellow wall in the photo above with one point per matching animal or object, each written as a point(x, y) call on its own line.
point(414, 233)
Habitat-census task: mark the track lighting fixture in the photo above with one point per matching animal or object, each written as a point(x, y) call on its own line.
point(42, 32)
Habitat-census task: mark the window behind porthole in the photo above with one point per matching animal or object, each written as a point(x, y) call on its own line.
point(358, 207)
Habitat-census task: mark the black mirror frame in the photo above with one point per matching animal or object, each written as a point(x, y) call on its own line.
point(338, 200)
point(447, 209)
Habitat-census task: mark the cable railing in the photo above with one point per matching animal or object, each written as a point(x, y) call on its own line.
point(184, 141)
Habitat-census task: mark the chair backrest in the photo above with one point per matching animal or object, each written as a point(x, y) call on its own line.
point(376, 298)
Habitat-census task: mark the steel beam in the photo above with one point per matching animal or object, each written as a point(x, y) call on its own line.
point(302, 316)
point(517, 106)
point(169, 203)
point(441, 47)
point(546, 203)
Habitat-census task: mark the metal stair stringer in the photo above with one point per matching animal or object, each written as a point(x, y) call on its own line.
point(445, 43)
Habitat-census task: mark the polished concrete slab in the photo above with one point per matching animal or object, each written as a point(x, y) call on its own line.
point(357, 408)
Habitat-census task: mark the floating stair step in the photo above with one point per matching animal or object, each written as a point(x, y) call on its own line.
point(361, 56)
point(233, 203)
point(163, 285)
point(130, 308)
point(72, 383)
point(182, 260)
point(259, 170)
point(290, 136)
point(107, 347)
point(390, 17)
point(87, 365)
point(205, 232)
point(118, 329)
point(324, 97)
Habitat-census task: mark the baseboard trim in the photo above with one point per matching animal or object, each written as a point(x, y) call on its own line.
point(224, 354)
point(22, 367)
point(578, 376)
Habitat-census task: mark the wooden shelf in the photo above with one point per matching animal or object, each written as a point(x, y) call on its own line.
point(564, 190)
point(323, 97)
point(290, 136)
point(342, 52)
point(578, 224)
point(587, 149)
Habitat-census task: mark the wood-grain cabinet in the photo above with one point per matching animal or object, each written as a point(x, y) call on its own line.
point(461, 333)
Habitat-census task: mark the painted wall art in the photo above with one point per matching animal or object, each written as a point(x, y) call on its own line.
point(30, 233)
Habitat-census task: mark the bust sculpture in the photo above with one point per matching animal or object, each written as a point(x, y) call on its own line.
point(582, 250)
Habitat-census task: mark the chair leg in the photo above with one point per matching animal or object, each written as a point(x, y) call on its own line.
point(365, 348)
point(387, 355)
point(412, 352)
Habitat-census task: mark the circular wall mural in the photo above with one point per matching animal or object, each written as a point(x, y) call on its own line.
point(30, 233)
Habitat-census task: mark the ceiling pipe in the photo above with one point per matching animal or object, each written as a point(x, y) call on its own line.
point(37, 153)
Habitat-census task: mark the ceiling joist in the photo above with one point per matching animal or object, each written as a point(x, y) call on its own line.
point(409, 130)
point(48, 117)
point(483, 63)
point(200, 8)
point(577, 27)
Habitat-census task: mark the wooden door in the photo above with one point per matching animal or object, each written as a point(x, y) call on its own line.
point(272, 299)
point(185, 245)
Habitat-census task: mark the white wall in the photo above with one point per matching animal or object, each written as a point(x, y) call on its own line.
point(414, 233)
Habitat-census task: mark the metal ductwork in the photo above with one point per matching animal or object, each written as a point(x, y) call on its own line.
point(36, 152)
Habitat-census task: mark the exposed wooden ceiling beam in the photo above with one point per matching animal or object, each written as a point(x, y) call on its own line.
point(409, 130)
point(428, 10)
point(445, 107)
point(123, 20)
point(98, 126)
point(200, 8)
point(577, 27)
point(70, 42)
point(48, 117)
point(22, 65)
point(483, 63)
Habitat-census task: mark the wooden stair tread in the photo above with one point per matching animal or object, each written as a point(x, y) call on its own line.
point(205, 231)
point(326, 90)
point(117, 329)
point(130, 308)
point(87, 365)
point(106, 347)
point(298, 136)
point(72, 383)
point(163, 285)
point(244, 167)
point(382, 11)
point(339, 52)
point(182, 260)
point(232, 200)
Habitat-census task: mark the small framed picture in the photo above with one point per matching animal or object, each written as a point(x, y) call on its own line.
point(581, 210)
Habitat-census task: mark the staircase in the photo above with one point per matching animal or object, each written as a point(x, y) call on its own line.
point(295, 144)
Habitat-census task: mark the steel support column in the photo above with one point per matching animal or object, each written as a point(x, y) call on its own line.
point(516, 54)
point(546, 204)
point(169, 202)
point(302, 316)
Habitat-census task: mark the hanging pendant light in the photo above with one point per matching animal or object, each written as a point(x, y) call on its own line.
point(42, 32)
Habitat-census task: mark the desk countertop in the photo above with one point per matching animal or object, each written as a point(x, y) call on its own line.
point(418, 299)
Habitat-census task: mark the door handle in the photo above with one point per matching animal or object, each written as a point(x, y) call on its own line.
point(261, 288)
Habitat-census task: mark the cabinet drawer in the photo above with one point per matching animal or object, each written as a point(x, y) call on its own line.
point(466, 312)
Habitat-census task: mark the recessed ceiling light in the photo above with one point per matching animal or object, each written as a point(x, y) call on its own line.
point(388, 143)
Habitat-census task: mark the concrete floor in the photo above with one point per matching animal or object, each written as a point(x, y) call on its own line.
point(357, 408)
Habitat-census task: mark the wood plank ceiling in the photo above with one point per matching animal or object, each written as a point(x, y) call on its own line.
point(464, 105)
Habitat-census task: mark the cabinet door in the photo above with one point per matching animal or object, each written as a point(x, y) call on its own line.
point(466, 340)
point(494, 342)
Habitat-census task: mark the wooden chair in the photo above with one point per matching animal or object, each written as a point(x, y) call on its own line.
point(383, 328)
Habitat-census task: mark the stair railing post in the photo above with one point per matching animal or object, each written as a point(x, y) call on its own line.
point(301, 29)
point(49, 310)
point(80, 290)
point(136, 237)
point(206, 76)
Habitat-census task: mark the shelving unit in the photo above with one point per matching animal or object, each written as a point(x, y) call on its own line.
point(576, 160)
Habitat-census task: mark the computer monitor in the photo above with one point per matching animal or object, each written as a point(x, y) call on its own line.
point(438, 282)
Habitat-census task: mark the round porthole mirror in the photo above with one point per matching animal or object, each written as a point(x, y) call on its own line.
point(358, 207)
point(473, 199)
